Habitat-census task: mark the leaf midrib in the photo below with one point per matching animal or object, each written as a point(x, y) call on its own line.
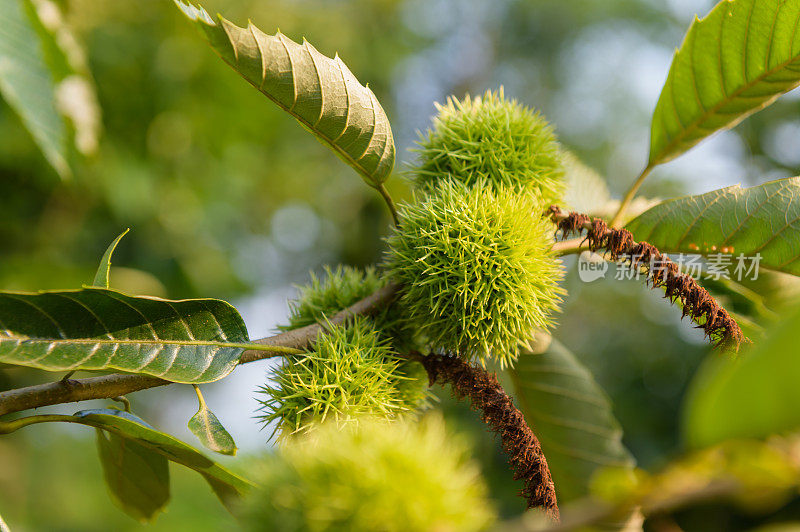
point(128, 341)
point(330, 142)
point(713, 110)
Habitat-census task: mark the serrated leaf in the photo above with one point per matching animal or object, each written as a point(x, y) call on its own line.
point(191, 341)
point(137, 477)
point(571, 416)
point(208, 429)
point(320, 92)
point(226, 485)
point(732, 63)
point(27, 84)
point(102, 277)
point(763, 220)
point(751, 396)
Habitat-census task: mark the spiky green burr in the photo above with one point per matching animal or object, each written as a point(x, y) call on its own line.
point(493, 140)
point(389, 476)
point(476, 270)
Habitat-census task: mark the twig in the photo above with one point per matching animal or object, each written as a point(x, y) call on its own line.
point(389, 203)
point(499, 413)
point(697, 303)
point(114, 385)
point(616, 222)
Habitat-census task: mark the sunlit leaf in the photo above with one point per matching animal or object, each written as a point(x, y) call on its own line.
point(571, 416)
point(226, 485)
point(101, 278)
point(761, 220)
point(208, 429)
point(732, 63)
point(137, 477)
point(193, 340)
point(320, 92)
point(754, 395)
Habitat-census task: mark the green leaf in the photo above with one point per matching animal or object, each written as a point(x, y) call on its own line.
point(732, 63)
point(27, 84)
point(137, 477)
point(226, 485)
point(75, 93)
point(205, 425)
point(320, 92)
point(101, 278)
point(753, 395)
point(764, 219)
point(192, 341)
point(571, 416)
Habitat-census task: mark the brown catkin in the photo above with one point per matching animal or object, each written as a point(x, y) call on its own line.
point(697, 303)
point(504, 419)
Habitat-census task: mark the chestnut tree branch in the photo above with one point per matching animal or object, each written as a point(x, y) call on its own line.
point(117, 384)
point(660, 271)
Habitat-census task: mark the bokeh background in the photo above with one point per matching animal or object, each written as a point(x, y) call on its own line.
point(228, 197)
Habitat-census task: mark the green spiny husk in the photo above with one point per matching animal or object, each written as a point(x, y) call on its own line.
point(397, 476)
point(352, 372)
point(494, 140)
point(476, 270)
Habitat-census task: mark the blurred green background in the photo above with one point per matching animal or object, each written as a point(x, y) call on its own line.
point(228, 197)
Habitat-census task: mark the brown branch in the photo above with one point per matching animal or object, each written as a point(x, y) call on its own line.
point(697, 303)
point(109, 386)
point(499, 413)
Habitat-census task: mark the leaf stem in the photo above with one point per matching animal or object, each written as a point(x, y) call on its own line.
point(7, 427)
point(200, 397)
point(125, 403)
point(616, 221)
point(389, 202)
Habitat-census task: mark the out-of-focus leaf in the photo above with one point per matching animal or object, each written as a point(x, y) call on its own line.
point(763, 220)
point(101, 278)
point(320, 92)
point(27, 84)
point(137, 477)
point(753, 395)
point(192, 340)
point(758, 476)
point(75, 94)
point(208, 429)
point(587, 191)
point(3, 525)
point(571, 416)
point(226, 485)
point(732, 63)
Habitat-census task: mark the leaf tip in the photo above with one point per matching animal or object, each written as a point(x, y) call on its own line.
point(194, 13)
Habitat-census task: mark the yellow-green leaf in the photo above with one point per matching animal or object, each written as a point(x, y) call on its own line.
point(102, 277)
point(320, 92)
point(208, 429)
point(732, 63)
point(751, 396)
point(762, 220)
